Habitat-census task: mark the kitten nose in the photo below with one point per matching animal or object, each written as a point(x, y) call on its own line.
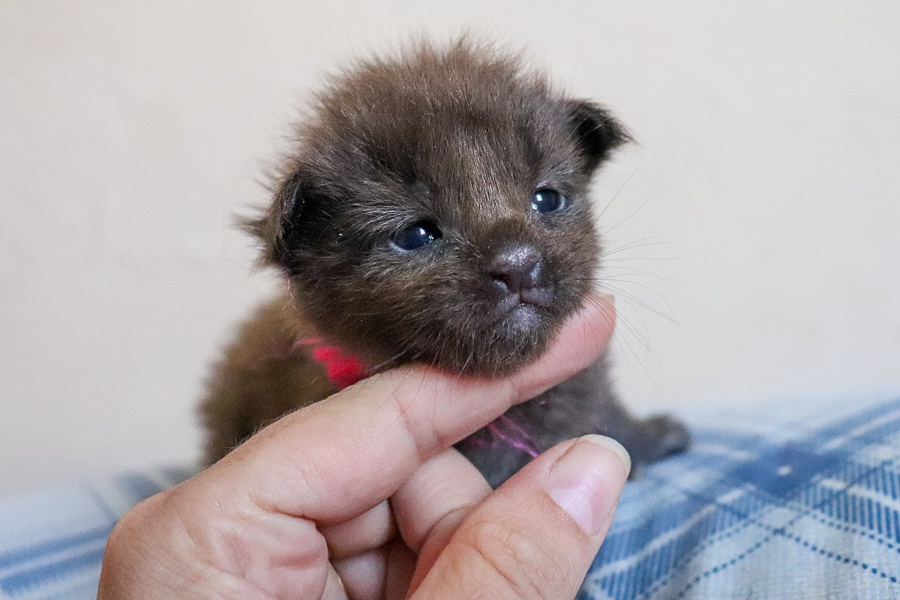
point(517, 267)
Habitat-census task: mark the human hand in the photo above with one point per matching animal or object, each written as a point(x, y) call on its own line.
point(362, 496)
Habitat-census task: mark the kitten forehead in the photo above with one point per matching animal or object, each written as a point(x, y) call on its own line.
point(469, 127)
point(398, 111)
point(473, 173)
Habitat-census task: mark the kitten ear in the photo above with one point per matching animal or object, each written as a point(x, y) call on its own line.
point(274, 227)
point(596, 131)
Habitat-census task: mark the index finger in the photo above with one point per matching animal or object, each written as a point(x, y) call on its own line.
point(337, 458)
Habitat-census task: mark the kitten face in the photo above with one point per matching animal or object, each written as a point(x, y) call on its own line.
point(436, 210)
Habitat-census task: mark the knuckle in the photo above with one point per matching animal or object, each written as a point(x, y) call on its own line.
point(130, 531)
point(135, 519)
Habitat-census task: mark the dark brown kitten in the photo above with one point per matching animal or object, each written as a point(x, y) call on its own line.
point(434, 209)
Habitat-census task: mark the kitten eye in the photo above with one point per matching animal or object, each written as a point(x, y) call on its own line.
point(547, 200)
point(417, 235)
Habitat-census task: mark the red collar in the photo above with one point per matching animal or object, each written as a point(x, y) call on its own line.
point(343, 369)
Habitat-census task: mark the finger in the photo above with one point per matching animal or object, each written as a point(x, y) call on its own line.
point(536, 536)
point(432, 504)
point(380, 573)
point(363, 575)
point(338, 458)
point(369, 530)
point(438, 495)
point(334, 587)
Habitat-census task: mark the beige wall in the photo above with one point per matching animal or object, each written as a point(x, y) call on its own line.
point(130, 132)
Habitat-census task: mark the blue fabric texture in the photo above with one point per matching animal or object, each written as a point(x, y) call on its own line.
point(793, 499)
point(796, 499)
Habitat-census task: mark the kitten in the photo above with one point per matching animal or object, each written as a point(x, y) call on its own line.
point(434, 209)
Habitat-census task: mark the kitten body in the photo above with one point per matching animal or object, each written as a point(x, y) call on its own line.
point(434, 209)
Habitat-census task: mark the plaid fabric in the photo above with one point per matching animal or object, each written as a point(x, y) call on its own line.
point(788, 500)
point(52, 541)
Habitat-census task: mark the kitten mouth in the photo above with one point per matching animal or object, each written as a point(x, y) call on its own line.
point(529, 302)
point(536, 297)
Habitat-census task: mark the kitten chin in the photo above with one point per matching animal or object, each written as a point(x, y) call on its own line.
point(434, 208)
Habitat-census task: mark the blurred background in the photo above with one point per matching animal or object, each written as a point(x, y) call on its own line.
point(753, 232)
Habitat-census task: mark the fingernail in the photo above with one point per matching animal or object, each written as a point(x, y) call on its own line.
point(586, 481)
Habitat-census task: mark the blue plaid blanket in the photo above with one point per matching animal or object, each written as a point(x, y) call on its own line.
point(795, 499)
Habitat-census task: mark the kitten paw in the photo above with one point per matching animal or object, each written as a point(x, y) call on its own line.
point(655, 438)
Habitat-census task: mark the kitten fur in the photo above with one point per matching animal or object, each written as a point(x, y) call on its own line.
point(456, 140)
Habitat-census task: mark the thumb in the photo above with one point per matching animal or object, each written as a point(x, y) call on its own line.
point(535, 537)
